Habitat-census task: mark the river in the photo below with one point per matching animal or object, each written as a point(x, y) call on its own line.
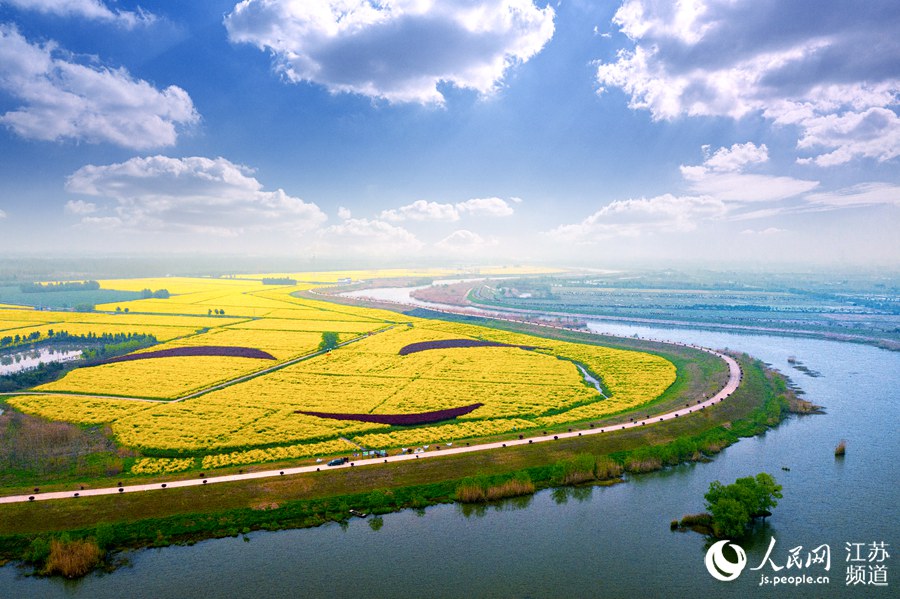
point(592, 542)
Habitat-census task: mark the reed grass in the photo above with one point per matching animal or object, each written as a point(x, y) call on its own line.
point(470, 493)
point(647, 464)
point(481, 491)
point(72, 559)
point(512, 488)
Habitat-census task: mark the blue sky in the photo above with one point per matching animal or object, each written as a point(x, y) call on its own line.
point(574, 132)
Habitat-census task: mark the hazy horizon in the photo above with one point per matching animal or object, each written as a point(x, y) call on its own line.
point(620, 134)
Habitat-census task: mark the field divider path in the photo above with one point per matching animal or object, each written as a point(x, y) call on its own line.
point(735, 375)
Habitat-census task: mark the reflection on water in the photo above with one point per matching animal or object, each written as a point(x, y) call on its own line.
point(561, 495)
point(15, 361)
point(479, 510)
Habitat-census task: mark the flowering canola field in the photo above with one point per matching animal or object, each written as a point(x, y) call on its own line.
point(257, 420)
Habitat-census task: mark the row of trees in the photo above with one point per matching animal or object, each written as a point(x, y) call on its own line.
point(158, 294)
point(17, 339)
point(65, 336)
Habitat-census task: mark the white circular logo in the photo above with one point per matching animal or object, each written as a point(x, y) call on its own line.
point(720, 567)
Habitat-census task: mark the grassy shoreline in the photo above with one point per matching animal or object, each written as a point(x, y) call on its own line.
point(186, 515)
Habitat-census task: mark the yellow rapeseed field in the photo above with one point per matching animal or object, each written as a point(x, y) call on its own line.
point(257, 420)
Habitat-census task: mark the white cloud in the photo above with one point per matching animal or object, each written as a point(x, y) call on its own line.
point(744, 187)
point(422, 210)
point(2, 214)
point(101, 222)
point(830, 72)
point(635, 217)
point(344, 213)
point(874, 133)
point(60, 99)
point(400, 50)
point(195, 194)
point(735, 158)
point(87, 9)
point(369, 237)
point(485, 207)
point(80, 207)
point(722, 176)
point(865, 194)
point(767, 232)
point(464, 242)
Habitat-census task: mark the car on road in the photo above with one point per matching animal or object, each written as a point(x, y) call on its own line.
point(338, 461)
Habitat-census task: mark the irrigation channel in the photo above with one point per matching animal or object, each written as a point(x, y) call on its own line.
point(592, 541)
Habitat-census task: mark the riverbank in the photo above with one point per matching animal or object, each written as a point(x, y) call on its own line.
point(186, 515)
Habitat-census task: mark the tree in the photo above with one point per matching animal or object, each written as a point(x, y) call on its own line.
point(734, 506)
point(329, 341)
point(730, 517)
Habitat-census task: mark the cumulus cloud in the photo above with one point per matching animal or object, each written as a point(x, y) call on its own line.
point(722, 176)
point(735, 158)
point(464, 242)
point(2, 214)
point(344, 213)
point(402, 50)
point(634, 217)
point(485, 207)
point(80, 207)
point(94, 10)
point(195, 194)
point(830, 70)
point(422, 210)
point(874, 133)
point(60, 99)
point(369, 237)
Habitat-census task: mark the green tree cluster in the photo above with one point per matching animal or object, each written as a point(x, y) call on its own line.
point(734, 506)
point(329, 341)
point(158, 294)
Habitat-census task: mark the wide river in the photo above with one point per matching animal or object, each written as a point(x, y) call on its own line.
point(595, 542)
